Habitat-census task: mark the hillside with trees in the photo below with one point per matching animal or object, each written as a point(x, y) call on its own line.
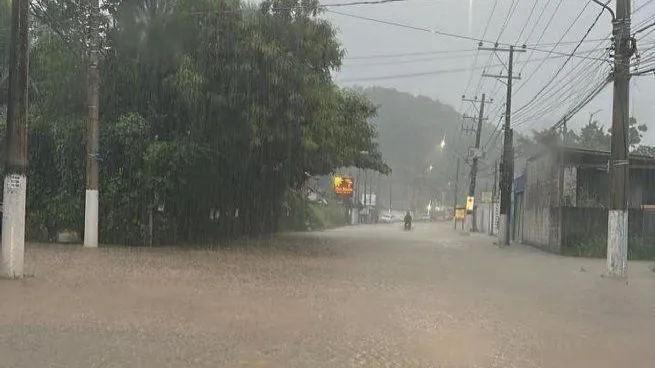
point(411, 129)
point(213, 114)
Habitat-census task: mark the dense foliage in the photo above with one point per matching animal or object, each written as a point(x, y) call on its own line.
point(211, 112)
point(591, 136)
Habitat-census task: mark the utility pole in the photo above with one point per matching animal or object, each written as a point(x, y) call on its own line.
point(456, 186)
point(390, 197)
point(507, 167)
point(455, 191)
point(617, 226)
point(15, 183)
point(366, 195)
point(493, 198)
point(470, 213)
point(91, 207)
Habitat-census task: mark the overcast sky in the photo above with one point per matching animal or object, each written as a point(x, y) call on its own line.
point(441, 66)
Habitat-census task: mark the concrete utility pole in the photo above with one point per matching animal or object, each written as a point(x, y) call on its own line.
point(456, 180)
point(470, 215)
point(493, 198)
point(455, 191)
point(507, 167)
point(617, 224)
point(92, 131)
point(15, 183)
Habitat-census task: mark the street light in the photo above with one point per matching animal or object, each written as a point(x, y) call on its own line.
point(443, 143)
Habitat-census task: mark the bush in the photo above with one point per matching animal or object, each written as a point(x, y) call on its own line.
point(302, 215)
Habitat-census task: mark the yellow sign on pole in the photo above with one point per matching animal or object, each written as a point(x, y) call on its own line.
point(469, 203)
point(460, 213)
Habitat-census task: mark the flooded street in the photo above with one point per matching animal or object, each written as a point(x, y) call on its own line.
point(368, 296)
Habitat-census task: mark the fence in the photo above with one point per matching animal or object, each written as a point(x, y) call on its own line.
point(584, 231)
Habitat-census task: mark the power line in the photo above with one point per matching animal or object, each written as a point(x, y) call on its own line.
point(556, 95)
point(566, 61)
point(539, 17)
point(407, 61)
point(581, 75)
point(642, 6)
point(562, 98)
point(407, 75)
point(435, 72)
point(550, 20)
point(477, 54)
point(415, 28)
point(510, 13)
point(527, 21)
point(423, 53)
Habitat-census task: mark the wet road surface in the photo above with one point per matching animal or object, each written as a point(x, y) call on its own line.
point(369, 296)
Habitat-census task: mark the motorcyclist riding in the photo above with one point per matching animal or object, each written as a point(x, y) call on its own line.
point(408, 221)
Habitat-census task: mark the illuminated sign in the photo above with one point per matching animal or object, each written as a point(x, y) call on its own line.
point(343, 186)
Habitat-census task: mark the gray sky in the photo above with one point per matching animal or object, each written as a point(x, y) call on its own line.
point(444, 74)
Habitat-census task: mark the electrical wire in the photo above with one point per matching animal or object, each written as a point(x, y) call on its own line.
point(580, 74)
point(477, 54)
point(527, 21)
point(567, 60)
point(411, 27)
point(422, 53)
point(406, 61)
point(550, 20)
point(510, 13)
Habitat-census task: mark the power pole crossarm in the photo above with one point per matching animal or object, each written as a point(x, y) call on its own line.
point(617, 226)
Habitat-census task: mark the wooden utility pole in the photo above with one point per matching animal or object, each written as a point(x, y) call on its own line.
point(15, 182)
point(617, 226)
point(470, 214)
point(92, 130)
point(507, 167)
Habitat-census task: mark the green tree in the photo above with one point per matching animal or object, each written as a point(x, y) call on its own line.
point(636, 133)
point(207, 106)
point(646, 150)
point(594, 136)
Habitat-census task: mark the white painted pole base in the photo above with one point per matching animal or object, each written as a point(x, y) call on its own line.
point(617, 243)
point(91, 219)
point(13, 226)
point(503, 234)
point(468, 224)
